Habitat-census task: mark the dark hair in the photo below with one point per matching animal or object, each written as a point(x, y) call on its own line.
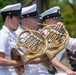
point(5, 15)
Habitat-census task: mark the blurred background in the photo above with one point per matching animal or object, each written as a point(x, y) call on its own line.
point(68, 10)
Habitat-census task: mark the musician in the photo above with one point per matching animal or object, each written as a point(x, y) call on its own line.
point(30, 21)
point(11, 15)
point(53, 16)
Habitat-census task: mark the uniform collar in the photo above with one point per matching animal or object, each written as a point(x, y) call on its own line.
point(21, 28)
point(6, 30)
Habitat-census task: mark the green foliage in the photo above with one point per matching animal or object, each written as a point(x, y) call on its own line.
point(69, 14)
point(24, 2)
point(2, 4)
point(1, 22)
point(69, 18)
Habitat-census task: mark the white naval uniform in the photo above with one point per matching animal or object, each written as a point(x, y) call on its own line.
point(69, 46)
point(59, 55)
point(33, 69)
point(7, 40)
point(61, 74)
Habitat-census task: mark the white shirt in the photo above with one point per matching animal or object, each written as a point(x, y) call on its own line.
point(69, 46)
point(60, 54)
point(33, 69)
point(61, 74)
point(7, 41)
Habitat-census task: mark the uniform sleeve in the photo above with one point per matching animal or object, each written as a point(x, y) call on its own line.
point(59, 55)
point(3, 42)
point(70, 44)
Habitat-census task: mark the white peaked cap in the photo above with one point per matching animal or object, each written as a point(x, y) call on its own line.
point(30, 11)
point(14, 9)
point(11, 7)
point(52, 12)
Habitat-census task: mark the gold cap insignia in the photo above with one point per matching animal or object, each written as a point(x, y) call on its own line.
point(9, 12)
point(27, 15)
point(47, 16)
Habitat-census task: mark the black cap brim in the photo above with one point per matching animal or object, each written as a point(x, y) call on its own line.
point(61, 17)
point(37, 16)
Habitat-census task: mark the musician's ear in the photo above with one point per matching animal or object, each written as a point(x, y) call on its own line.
point(47, 21)
point(25, 19)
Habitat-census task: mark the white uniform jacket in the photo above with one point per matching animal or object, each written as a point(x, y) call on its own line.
point(7, 41)
point(69, 46)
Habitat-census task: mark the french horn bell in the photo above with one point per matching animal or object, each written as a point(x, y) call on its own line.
point(30, 44)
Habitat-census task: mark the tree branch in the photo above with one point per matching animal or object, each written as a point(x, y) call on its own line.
point(71, 5)
point(29, 3)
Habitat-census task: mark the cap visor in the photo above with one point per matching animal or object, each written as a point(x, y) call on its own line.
point(61, 17)
point(37, 16)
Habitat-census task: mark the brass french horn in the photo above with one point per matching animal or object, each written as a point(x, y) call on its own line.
point(57, 38)
point(30, 44)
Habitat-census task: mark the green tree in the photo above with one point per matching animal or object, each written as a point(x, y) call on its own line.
point(68, 10)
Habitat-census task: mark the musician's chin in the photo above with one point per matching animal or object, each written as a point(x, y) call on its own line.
point(14, 29)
